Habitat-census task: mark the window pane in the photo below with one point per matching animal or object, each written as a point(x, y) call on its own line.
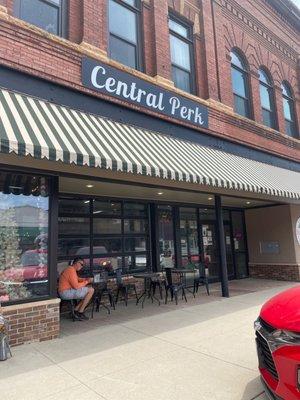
point(286, 90)
point(106, 226)
point(74, 207)
point(71, 247)
point(166, 236)
point(265, 97)
point(135, 210)
point(130, 2)
point(122, 52)
point(136, 263)
point(73, 226)
point(122, 22)
point(241, 106)
point(110, 245)
point(178, 28)
point(181, 79)
point(23, 237)
point(236, 60)
point(238, 82)
point(107, 208)
point(207, 214)
point(290, 128)
point(135, 244)
point(180, 53)
point(263, 77)
point(189, 231)
point(287, 109)
point(41, 14)
point(268, 119)
point(111, 263)
point(135, 225)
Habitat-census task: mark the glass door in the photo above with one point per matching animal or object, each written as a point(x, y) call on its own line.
point(166, 237)
point(239, 244)
point(210, 254)
point(229, 253)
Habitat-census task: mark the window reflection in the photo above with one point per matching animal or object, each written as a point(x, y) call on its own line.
point(24, 209)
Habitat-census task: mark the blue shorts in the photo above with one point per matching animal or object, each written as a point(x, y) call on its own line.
point(74, 293)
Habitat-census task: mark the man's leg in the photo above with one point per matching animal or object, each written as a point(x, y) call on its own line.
point(84, 302)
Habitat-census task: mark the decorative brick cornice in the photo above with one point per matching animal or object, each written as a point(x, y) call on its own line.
point(230, 7)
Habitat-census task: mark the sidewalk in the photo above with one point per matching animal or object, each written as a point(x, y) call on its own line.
point(202, 350)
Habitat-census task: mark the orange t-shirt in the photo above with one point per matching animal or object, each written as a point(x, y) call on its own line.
point(69, 280)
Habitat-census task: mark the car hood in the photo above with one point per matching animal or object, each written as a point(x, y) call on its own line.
point(283, 310)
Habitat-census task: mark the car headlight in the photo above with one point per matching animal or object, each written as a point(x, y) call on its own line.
point(281, 338)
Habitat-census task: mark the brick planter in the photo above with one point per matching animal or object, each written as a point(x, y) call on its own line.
point(32, 322)
point(281, 272)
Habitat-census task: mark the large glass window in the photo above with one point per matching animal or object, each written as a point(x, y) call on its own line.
point(240, 86)
point(189, 237)
point(267, 99)
point(166, 238)
point(46, 14)
point(105, 233)
point(289, 110)
point(24, 215)
point(124, 41)
point(181, 47)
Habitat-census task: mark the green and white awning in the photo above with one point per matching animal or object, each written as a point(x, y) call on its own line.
point(30, 126)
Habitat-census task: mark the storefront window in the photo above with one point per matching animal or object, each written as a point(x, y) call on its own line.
point(118, 230)
point(24, 214)
point(166, 236)
point(189, 239)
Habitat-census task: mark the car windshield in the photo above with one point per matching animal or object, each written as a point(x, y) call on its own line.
point(29, 259)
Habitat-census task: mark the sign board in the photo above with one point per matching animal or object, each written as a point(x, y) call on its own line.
point(298, 230)
point(269, 247)
point(124, 86)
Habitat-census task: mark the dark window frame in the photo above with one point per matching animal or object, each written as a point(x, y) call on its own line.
point(245, 73)
point(190, 41)
point(139, 40)
point(270, 87)
point(63, 8)
point(291, 101)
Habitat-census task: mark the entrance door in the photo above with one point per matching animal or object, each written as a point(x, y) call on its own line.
point(210, 255)
point(229, 253)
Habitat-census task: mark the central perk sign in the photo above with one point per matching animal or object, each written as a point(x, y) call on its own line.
point(113, 82)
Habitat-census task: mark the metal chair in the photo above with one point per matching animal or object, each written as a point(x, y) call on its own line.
point(174, 288)
point(158, 282)
point(202, 279)
point(101, 289)
point(124, 287)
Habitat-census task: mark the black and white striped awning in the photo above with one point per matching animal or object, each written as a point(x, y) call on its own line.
point(45, 130)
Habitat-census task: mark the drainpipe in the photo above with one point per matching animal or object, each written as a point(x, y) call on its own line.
point(222, 246)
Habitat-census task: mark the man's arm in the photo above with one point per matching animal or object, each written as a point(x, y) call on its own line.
point(75, 282)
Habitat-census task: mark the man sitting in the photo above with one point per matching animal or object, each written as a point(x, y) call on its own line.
point(71, 287)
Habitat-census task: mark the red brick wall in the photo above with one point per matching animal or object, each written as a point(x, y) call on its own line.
point(254, 27)
point(278, 272)
point(32, 322)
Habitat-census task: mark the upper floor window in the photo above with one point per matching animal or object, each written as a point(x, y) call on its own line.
point(49, 15)
point(240, 85)
point(267, 99)
point(289, 110)
point(181, 46)
point(124, 41)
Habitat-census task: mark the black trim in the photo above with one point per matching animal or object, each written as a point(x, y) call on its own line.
point(222, 247)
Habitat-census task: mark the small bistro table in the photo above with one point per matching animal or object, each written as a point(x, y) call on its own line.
point(147, 276)
point(183, 273)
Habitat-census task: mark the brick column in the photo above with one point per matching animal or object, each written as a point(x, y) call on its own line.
point(94, 29)
point(200, 69)
point(210, 50)
point(161, 41)
point(279, 108)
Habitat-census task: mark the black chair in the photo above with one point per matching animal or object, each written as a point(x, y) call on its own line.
point(123, 286)
point(202, 279)
point(101, 289)
point(174, 287)
point(71, 304)
point(158, 282)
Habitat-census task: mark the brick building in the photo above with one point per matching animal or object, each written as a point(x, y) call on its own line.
point(135, 130)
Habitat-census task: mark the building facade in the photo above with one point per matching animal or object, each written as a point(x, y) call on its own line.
point(132, 131)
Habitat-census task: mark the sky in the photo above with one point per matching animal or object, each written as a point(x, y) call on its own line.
point(297, 2)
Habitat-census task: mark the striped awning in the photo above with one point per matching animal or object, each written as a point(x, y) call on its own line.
point(31, 126)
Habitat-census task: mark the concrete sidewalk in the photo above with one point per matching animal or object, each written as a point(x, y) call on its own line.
point(202, 350)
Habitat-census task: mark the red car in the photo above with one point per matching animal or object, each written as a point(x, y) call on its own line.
point(278, 345)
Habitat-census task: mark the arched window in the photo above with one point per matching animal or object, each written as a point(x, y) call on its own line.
point(289, 110)
point(240, 85)
point(267, 99)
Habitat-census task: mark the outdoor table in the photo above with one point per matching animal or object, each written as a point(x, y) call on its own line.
point(183, 273)
point(147, 276)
